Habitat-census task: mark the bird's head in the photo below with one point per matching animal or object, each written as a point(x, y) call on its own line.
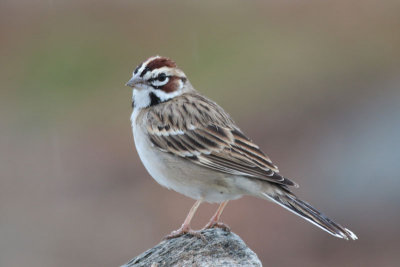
point(157, 80)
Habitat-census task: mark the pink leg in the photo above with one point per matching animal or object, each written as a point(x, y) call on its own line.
point(185, 228)
point(214, 221)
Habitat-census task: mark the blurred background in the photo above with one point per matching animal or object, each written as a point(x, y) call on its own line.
point(315, 84)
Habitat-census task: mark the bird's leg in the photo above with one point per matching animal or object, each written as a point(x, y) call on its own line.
point(185, 228)
point(214, 221)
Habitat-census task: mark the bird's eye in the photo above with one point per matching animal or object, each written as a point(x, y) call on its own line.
point(160, 80)
point(161, 77)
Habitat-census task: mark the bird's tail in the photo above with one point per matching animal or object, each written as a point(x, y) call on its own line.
point(301, 208)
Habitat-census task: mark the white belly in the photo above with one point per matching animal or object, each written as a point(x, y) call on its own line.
point(184, 176)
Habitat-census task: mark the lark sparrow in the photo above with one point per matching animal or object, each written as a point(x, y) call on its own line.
point(191, 145)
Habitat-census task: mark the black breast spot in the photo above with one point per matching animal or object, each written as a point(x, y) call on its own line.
point(154, 100)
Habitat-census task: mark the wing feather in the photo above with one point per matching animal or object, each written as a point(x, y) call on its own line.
point(197, 129)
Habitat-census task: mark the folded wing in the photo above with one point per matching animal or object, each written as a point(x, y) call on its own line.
point(200, 131)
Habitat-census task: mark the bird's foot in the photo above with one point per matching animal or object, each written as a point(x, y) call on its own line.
point(217, 225)
point(183, 231)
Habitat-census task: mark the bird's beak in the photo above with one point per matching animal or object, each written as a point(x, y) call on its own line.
point(132, 82)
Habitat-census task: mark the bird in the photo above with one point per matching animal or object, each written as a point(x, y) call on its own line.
point(189, 144)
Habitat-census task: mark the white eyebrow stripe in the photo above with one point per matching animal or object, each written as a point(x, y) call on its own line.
point(147, 76)
point(167, 70)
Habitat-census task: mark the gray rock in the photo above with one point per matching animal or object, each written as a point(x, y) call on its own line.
point(218, 248)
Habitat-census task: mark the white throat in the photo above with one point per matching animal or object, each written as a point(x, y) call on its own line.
point(140, 99)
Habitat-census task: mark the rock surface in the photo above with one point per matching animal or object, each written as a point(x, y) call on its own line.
point(218, 248)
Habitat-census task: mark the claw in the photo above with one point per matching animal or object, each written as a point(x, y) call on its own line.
point(183, 231)
point(218, 225)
